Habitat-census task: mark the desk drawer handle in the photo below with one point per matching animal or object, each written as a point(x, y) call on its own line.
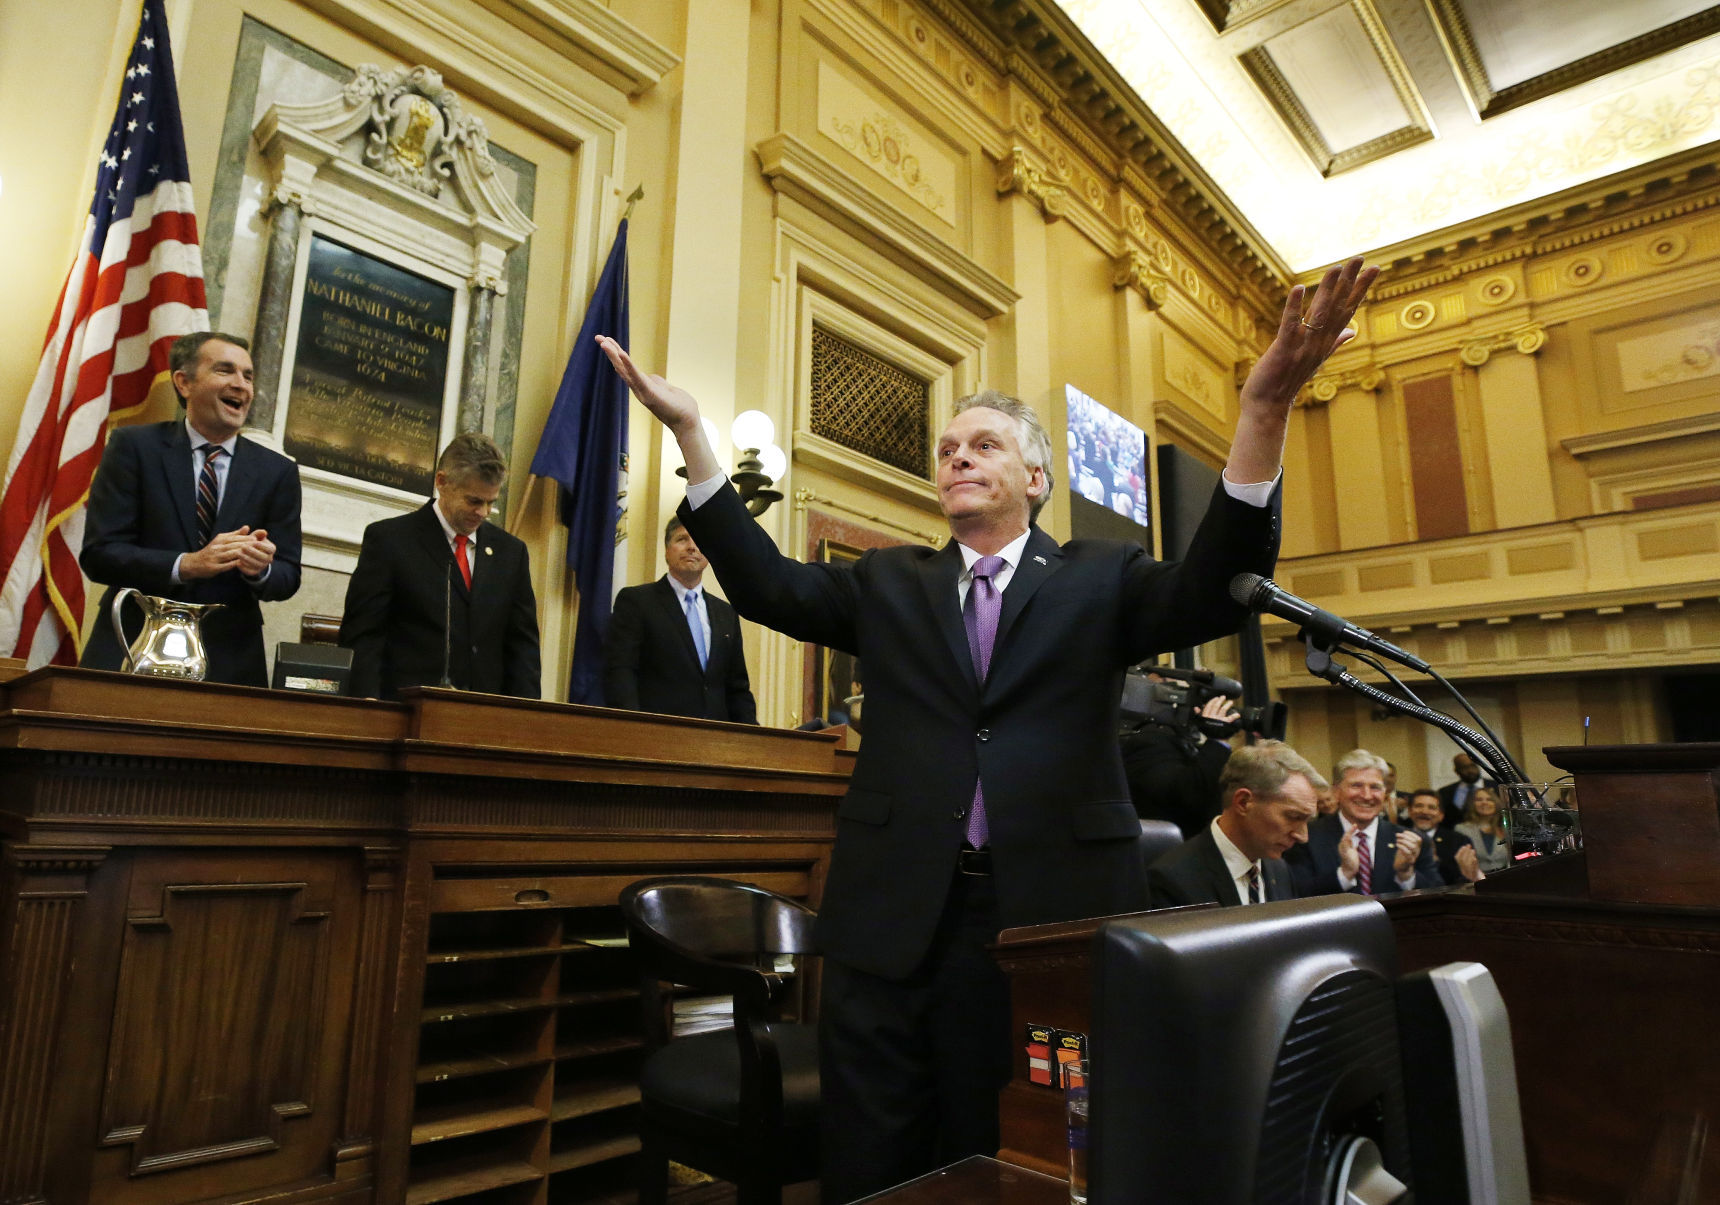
point(531, 895)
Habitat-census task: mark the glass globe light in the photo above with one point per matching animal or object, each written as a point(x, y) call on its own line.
point(753, 429)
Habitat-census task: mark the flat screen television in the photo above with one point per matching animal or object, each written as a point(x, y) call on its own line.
point(1109, 487)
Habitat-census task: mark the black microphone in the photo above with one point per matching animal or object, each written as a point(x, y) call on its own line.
point(1263, 594)
point(447, 626)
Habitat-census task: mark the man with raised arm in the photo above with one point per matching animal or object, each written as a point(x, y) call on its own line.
point(989, 791)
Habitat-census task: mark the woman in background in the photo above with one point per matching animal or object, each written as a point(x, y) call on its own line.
point(1485, 828)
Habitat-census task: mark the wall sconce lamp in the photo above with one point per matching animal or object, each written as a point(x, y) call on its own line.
point(761, 464)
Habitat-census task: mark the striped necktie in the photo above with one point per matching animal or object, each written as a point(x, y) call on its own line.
point(1365, 867)
point(208, 493)
point(1255, 895)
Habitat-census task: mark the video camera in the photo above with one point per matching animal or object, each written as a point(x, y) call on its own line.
point(1176, 704)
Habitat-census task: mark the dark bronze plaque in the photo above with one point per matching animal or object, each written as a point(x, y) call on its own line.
point(370, 370)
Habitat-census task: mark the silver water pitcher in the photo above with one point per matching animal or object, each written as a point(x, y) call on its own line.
point(171, 644)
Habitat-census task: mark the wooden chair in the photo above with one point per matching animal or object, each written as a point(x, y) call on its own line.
point(740, 1104)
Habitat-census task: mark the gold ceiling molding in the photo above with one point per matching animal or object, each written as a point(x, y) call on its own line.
point(1228, 14)
point(1600, 209)
point(1259, 64)
point(1465, 55)
point(1018, 173)
point(1134, 269)
point(1525, 339)
point(1107, 109)
point(1326, 386)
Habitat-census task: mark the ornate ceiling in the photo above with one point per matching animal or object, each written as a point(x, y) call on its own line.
point(1338, 126)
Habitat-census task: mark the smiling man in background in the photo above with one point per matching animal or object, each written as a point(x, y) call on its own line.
point(190, 509)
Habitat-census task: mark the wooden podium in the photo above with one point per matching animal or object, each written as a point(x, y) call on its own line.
point(258, 945)
point(1608, 960)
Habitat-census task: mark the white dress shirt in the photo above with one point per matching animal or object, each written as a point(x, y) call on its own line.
point(1238, 864)
point(699, 605)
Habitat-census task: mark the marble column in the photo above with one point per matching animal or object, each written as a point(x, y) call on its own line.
point(475, 375)
point(274, 301)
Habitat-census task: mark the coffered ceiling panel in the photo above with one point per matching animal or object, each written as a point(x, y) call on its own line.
point(1343, 126)
point(1510, 52)
point(1339, 85)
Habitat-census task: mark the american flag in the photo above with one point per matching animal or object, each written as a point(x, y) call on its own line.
point(135, 286)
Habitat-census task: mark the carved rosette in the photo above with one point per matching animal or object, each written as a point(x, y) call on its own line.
point(1018, 173)
point(1135, 270)
point(1525, 339)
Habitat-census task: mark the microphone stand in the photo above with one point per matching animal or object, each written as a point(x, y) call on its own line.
point(447, 682)
point(1488, 749)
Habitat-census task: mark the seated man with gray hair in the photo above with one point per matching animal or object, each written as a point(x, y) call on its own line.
point(1269, 793)
point(440, 590)
point(1356, 849)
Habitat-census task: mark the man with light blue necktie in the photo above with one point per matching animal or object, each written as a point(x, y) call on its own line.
point(674, 648)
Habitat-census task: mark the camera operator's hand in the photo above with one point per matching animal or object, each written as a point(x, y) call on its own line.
point(1221, 709)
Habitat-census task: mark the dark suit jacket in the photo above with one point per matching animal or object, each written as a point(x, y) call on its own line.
point(143, 515)
point(1445, 846)
point(395, 604)
point(1314, 865)
point(1194, 873)
point(1041, 730)
point(650, 664)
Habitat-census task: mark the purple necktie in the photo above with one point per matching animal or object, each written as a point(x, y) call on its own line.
point(1364, 863)
point(980, 612)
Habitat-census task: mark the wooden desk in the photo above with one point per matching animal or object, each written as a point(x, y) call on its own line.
point(1608, 961)
point(258, 944)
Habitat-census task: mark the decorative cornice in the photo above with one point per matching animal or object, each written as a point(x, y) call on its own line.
point(1526, 339)
point(615, 50)
point(1094, 95)
point(56, 859)
point(795, 168)
point(1326, 386)
point(1134, 269)
point(1019, 173)
point(1600, 209)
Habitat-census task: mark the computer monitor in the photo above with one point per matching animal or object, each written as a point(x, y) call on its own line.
point(1237, 1049)
point(1272, 1054)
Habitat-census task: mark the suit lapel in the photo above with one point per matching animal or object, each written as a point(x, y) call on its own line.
point(1040, 558)
point(241, 483)
point(1218, 871)
point(938, 576)
point(176, 465)
point(434, 543)
point(1277, 879)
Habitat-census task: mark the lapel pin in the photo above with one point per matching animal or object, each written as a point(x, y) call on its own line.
point(1040, 559)
point(489, 551)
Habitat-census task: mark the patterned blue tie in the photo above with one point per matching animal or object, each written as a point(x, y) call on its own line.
point(697, 627)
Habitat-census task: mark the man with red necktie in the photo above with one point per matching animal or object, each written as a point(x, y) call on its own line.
point(439, 588)
point(989, 791)
point(1356, 849)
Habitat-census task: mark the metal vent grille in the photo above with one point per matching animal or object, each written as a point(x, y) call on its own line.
point(867, 404)
point(1341, 1043)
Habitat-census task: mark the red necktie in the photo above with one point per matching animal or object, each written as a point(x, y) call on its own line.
point(1364, 868)
point(460, 556)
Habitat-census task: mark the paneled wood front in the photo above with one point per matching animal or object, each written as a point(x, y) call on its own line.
point(255, 945)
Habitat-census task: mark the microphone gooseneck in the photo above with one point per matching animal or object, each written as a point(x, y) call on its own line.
point(1263, 594)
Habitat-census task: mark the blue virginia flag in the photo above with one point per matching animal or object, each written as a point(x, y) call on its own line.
point(583, 442)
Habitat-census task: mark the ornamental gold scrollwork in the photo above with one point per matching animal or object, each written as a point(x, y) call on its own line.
point(1325, 387)
point(1135, 270)
point(1020, 174)
point(1525, 339)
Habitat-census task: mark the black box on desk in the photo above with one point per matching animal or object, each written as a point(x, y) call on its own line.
point(324, 669)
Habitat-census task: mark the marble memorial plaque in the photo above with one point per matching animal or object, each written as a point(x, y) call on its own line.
point(370, 371)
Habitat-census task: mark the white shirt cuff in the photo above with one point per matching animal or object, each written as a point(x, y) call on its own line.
point(1345, 881)
point(1257, 493)
point(173, 574)
point(698, 495)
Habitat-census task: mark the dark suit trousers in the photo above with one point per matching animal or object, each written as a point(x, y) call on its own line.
point(911, 1069)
